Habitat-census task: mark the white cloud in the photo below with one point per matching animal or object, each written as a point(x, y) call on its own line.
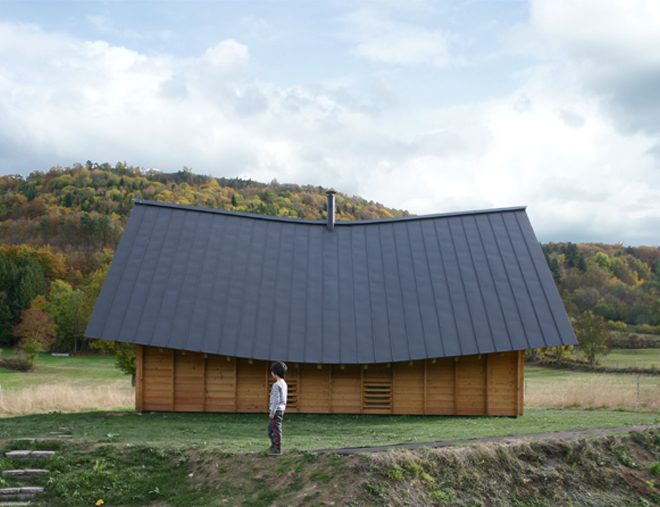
point(610, 46)
point(381, 39)
point(548, 144)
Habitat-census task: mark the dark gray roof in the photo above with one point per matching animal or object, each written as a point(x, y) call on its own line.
point(370, 291)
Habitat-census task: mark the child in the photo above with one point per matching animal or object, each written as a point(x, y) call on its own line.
point(277, 406)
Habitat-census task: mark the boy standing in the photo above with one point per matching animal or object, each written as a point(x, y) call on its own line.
point(276, 407)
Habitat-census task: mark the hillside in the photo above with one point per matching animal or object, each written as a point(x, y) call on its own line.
point(606, 470)
point(59, 229)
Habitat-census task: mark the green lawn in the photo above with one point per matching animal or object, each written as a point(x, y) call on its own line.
point(632, 358)
point(247, 432)
point(89, 370)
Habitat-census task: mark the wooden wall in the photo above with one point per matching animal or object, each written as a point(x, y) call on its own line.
point(489, 384)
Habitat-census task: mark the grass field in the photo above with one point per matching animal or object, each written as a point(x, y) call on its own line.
point(239, 433)
point(632, 358)
point(64, 384)
point(549, 387)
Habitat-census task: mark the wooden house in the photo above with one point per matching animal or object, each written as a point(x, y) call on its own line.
point(415, 315)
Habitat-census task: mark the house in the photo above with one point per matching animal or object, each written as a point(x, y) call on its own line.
point(414, 315)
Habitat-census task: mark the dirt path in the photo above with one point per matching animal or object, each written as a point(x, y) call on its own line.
point(561, 435)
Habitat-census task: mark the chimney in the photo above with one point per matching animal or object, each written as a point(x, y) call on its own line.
point(331, 210)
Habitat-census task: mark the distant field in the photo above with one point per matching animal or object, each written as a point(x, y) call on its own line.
point(632, 358)
point(64, 384)
point(549, 387)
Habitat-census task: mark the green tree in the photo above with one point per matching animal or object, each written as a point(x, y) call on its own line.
point(66, 307)
point(592, 335)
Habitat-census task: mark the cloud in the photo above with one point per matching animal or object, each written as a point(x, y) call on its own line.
point(611, 46)
point(384, 40)
point(549, 143)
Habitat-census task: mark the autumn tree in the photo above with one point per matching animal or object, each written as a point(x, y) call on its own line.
point(592, 335)
point(36, 332)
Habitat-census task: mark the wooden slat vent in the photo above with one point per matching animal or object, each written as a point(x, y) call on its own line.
point(377, 394)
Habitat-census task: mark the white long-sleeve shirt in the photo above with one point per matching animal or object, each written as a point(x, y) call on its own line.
point(278, 394)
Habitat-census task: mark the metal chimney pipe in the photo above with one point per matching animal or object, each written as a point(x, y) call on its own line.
point(331, 210)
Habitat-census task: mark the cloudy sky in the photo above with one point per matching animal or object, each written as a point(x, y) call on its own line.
point(429, 106)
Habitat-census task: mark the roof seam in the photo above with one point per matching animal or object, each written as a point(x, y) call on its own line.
point(371, 312)
point(476, 276)
point(495, 289)
point(419, 306)
point(355, 326)
point(169, 273)
point(199, 277)
point(435, 299)
point(187, 264)
point(275, 293)
point(260, 291)
point(226, 292)
point(134, 281)
point(508, 279)
point(465, 295)
point(538, 276)
point(522, 276)
point(239, 327)
point(221, 226)
point(387, 302)
point(451, 299)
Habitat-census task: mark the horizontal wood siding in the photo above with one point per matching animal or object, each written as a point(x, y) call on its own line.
point(440, 387)
point(220, 384)
point(408, 395)
point(157, 379)
point(251, 386)
point(502, 384)
point(188, 382)
point(314, 389)
point(345, 392)
point(470, 385)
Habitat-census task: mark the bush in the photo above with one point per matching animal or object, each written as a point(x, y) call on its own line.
point(20, 363)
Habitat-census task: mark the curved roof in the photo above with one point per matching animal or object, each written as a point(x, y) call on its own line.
point(367, 292)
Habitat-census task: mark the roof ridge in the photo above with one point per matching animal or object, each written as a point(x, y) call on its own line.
point(340, 223)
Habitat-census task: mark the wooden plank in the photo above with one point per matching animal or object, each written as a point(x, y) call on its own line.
point(425, 386)
point(188, 382)
point(314, 395)
point(157, 379)
point(408, 388)
point(139, 373)
point(486, 357)
point(251, 386)
point(172, 381)
point(521, 382)
point(471, 386)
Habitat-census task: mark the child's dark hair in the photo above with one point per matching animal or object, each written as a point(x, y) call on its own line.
point(279, 369)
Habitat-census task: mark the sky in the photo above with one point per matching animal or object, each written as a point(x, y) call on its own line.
point(423, 105)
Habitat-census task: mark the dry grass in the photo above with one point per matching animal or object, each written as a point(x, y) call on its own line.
point(46, 398)
point(596, 391)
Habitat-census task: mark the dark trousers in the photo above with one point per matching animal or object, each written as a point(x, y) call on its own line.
point(275, 430)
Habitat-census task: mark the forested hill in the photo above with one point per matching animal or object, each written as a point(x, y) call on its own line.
point(81, 210)
point(59, 229)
